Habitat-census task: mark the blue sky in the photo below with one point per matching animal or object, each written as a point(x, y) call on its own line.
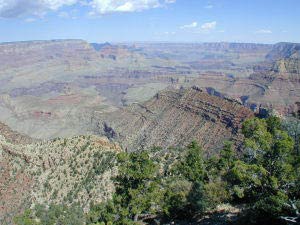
point(263, 21)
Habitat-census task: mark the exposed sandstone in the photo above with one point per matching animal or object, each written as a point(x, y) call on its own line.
point(284, 50)
point(281, 79)
point(175, 118)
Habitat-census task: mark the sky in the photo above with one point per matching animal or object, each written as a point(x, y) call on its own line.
point(258, 21)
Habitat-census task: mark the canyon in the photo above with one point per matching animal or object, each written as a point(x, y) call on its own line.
point(80, 169)
point(67, 107)
point(59, 88)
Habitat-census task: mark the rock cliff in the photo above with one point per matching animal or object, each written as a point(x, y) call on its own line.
point(175, 118)
point(284, 50)
point(281, 79)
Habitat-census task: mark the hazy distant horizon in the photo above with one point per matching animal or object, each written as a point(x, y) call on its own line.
point(144, 42)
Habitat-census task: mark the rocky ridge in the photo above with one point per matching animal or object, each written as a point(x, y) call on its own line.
point(175, 118)
point(74, 170)
point(14, 137)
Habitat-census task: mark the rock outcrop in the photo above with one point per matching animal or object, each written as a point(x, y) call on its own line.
point(284, 50)
point(175, 118)
point(281, 79)
point(52, 88)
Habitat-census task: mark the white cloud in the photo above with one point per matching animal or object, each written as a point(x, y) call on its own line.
point(170, 1)
point(111, 6)
point(209, 6)
point(203, 29)
point(18, 8)
point(209, 26)
point(192, 25)
point(169, 33)
point(263, 31)
point(55, 4)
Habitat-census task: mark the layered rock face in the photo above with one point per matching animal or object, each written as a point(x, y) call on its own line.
point(51, 89)
point(20, 54)
point(284, 50)
point(175, 118)
point(281, 79)
point(274, 83)
point(286, 57)
point(54, 88)
point(209, 48)
point(221, 56)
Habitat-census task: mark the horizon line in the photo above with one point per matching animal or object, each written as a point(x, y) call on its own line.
point(143, 42)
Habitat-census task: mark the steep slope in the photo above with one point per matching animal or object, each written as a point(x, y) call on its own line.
point(75, 170)
point(273, 84)
point(287, 60)
point(284, 50)
point(281, 79)
point(13, 136)
point(175, 118)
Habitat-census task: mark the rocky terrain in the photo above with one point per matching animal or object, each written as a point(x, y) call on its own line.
point(228, 58)
point(175, 118)
point(284, 50)
point(52, 88)
point(273, 84)
point(79, 169)
point(58, 98)
point(58, 88)
point(75, 170)
point(13, 136)
point(281, 80)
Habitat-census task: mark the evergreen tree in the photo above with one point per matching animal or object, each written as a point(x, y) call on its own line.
point(192, 166)
point(266, 177)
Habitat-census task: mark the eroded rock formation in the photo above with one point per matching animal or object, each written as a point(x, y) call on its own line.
point(175, 118)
